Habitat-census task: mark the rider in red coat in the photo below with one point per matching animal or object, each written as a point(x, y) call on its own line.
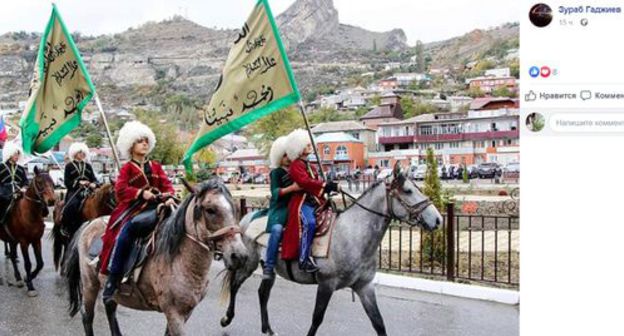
point(301, 226)
point(139, 181)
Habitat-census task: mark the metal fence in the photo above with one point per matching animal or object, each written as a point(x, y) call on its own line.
point(485, 249)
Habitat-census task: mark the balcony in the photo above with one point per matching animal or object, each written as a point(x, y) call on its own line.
point(475, 136)
point(342, 157)
point(404, 139)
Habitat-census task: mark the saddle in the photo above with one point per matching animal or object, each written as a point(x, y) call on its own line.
point(325, 220)
point(141, 249)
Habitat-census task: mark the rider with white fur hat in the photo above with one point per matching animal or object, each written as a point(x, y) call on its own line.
point(301, 226)
point(79, 180)
point(282, 188)
point(13, 179)
point(140, 186)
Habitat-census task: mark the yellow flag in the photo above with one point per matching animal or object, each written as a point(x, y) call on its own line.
point(59, 91)
point(256, 81)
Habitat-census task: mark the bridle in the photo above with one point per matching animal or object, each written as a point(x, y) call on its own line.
point(414, 211)
point(211, 243)
point(38, 194)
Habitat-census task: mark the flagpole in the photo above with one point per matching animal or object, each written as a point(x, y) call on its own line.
point(307, 124)
point(108, 132)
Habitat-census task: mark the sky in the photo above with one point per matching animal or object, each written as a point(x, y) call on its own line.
point(425, 20)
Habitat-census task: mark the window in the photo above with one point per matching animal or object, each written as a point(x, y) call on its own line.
point(439, 145)
point(326, 150)
point(454, 145)
point(341, 150)
point(493, 143)
point(509, 142)
point(403, 146)
point(356, 135)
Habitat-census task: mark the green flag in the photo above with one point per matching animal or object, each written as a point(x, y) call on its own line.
point(59, 91)
point(256, 81)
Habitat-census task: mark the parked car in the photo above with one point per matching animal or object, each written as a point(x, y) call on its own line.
point(473, 171)
point(420, 172)
point(260, 179)
point(384, 173)
point(513, 167)
point(488, 170)
point(341, 175)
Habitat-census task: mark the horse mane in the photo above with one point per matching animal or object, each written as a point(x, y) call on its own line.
point(172, 231)
point(101, 192)
point(372, 186)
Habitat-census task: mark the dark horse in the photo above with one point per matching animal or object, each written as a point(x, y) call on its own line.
point(24, 226)
point(97, 204)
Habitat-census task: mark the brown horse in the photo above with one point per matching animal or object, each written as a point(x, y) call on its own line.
point(99, 203)
point(175, 277)
point(25, 226)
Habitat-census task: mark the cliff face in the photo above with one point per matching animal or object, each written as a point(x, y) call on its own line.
point(317, 21)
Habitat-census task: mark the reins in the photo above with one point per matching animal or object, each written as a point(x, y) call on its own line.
point(413, 210)
point(210, 245)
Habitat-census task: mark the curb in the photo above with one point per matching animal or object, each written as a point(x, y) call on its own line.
point(499, 295)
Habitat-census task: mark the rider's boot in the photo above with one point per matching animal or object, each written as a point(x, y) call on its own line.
point(109, 289)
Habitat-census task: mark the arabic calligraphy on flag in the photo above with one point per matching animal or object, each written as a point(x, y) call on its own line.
point(59, 90)
point(256, 81)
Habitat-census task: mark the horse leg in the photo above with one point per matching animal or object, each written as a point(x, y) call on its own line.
point(111, 316)
point(14, 261)
point(27, 267)
point(264, 292)
point(236, 280)
point(175, 323)
point(89, 298)
point(369, 301)
point(323, 295)
point(38, 257)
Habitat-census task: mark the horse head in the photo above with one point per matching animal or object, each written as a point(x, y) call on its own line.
point(407, 202)
point(216, 222)
point(42, 186)
point(208, 218)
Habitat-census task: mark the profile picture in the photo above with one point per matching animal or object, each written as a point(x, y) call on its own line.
point(535, 122)
point(540, 15)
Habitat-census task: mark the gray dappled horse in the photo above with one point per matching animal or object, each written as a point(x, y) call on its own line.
point(352, 260)
point(175, 277)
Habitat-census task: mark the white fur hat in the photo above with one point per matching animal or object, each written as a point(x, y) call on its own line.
point(130, 133)
point(9, 149)
point(76, 148)
point(278, 149)
point(296, 142)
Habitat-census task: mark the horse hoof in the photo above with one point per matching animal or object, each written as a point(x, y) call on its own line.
point(225, 321)
point(19, 284)
point(32, 293)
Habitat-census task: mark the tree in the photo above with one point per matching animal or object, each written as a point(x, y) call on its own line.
point(407, 104)
point(94, 140)
point(501, 91)
point(375, 100)
point(169, 149)
point(326, 114)
point(433, 242)
point(361, 111)
point(476, 92)
point(420, 57)
point(264, 131)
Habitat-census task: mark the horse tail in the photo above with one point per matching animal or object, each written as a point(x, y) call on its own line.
point(72, 274)
point(57, 245)
point(226, 285)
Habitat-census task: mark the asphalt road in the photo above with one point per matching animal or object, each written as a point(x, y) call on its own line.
point(405, 312)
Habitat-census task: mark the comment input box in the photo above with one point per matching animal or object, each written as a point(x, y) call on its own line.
point(587, 122)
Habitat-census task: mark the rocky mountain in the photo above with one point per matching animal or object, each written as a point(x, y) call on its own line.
point(309, 21)
point(177, 57)
point(473, 45)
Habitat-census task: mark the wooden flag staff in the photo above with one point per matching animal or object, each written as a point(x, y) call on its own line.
point(108, 132)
